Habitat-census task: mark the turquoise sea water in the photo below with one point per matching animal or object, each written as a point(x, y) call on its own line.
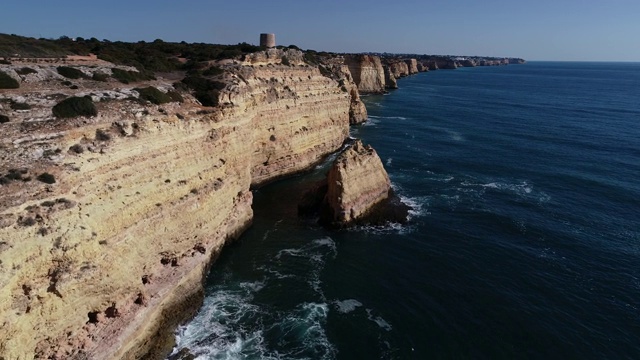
point(524, 240)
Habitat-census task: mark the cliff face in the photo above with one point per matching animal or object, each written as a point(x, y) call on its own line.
point(356, 182)
point(389, 79)
point(109, 255)
point(367, 72)
point(412, 66)
point(341, 73)
point(446, 64)
point(399, 69)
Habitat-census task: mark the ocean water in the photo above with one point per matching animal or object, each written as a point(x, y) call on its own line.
point(524, 239)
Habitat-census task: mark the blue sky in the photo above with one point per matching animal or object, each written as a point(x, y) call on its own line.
point(587, 30)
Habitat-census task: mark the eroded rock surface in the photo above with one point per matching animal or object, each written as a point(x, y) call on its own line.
point(367, 72)
point(357, 190)
point(398, 69)
point(390, 80)
point(103, 258)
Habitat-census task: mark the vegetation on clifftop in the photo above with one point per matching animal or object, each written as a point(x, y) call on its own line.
point(156, 56)
point(7, 82)
point(155, 96)
point(74, 107)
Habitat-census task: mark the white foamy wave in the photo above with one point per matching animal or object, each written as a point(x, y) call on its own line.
point(394, 117)
point(306, 326)
point(315, 251)
point(215, 334)
point(456, 136)
point(252, 286)
point(326, 241)
point(388, 228)
point(347, 306)
point(273, 273)
point(389, 161)
point(416, 205)
point(523, 189)
point(382, 323)
point(290, 252)
point(371, 121)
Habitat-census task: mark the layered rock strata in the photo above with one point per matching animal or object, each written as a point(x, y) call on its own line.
point(412, 66)
point(356, 184)
point(105, 255)
point(389, 79)
point(367, 73)
point(342, 74)
point(399, 69)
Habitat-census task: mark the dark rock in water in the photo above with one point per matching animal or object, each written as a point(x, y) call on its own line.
point(183, 354)
point(312, 200)
point(357, 191)
point(389, 210)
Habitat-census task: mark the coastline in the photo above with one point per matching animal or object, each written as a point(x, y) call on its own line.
point(170, 235)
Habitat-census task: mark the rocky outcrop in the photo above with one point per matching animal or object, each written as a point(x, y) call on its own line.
point(356, 191)
point(468, 63)
point(412, 66)
point(446, 63)
point(398, 69)
point(422, 67)
point(389, 79)
point(356, 182)
point(341, 73)
point(367, 73)
point(108, 224)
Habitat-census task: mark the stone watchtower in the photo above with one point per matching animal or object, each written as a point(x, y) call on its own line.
point(268, 40)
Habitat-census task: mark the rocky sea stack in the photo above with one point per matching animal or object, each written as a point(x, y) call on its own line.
point(357, 191)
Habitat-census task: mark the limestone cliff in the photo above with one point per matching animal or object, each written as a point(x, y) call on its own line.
point(355, 183)
point(412, 66)
point(398, 69)
point(389, 79)
point(367, 72)
point(108, 223)
point(342, 74)
point(445, 63)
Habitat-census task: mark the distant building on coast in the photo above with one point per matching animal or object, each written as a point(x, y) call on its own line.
point(268, 40)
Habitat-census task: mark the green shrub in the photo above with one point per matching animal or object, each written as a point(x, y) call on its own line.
point(100, 77)
point(77, 148)
point(208, 98)
point(212, 71)
point(19, 106)
point(75, 106)
point(26, 71)
point(175, 96)
point(285, 61)
point(7, 82)
point(206, 91)
point(4, 119)
point(46, 178)
point(67, 83)
point(5, 62)
point(153, 95)
point(102, 135)
point(310, 58)
point(70, 73)
point(126, 77)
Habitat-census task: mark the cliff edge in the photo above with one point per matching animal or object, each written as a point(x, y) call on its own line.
point(109, 219)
